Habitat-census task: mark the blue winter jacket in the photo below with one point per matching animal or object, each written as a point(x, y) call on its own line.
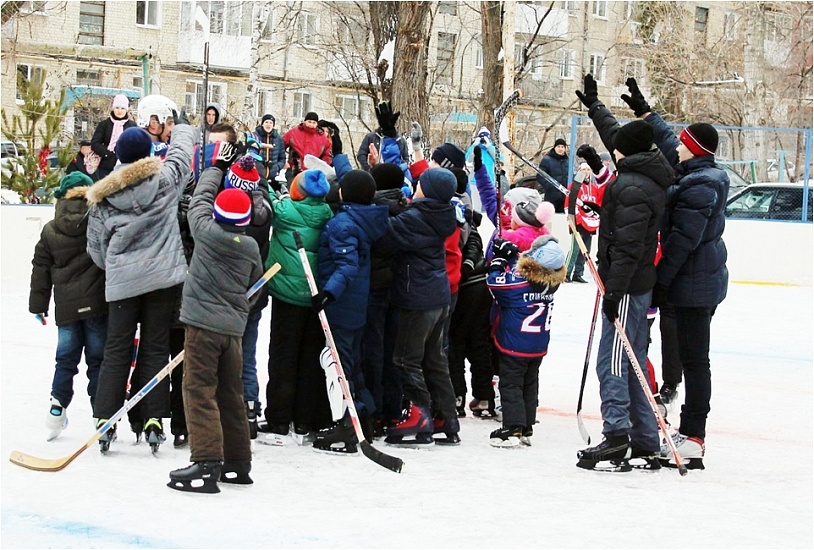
point(344, 261)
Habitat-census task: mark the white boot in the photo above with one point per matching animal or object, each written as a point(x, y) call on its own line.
point(691, 450)
point(57, 419)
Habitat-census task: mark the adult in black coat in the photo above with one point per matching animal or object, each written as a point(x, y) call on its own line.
point(107, 134)
point(555, 164)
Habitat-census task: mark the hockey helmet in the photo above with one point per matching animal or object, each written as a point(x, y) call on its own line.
point(156, 105)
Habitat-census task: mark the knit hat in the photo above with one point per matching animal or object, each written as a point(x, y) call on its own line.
point(311, 116)
point(560, 141)
point(519, 194)
point(266, 117)
point(700, 138)
point(357, 186)
point(310, 183)
point(532, 213)
point(546, 252)
point(242, 174)
point(484, 132)
point(438, 184)
point(604, 156)
point(387, 176)
point(449, 155)
point(233, 207)
point(74, 179)
point(120, 100)
point(134, 144)
point(634, 137)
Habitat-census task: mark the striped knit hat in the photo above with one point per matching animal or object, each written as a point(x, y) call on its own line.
point(700, 138)
point(233, 207)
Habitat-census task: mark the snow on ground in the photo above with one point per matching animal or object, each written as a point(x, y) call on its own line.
point(755, 493)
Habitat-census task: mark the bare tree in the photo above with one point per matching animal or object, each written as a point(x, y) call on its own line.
point(409, 88)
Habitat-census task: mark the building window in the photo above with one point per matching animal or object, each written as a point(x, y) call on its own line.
point(193, 95)
point(445, 57)
point(448, 8)
point(301, 105)
point(26, 73)
point(91, 23)
point(701, 15)
point(262, 102)
point(478, 55)
point(138, 83)
point(600, 8)
point(350, 107)
point(598, 67)
point(631, 67)
point(778, 26)
point(267, 31)
point(630, 10)
point(229, 18)
point(307, 29)
point(147, 13)
point(566, 64)
point(238, 19)
point(88, 78)
point(571, 6)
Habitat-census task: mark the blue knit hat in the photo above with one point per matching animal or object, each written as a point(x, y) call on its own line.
point(134, 144)
point(311, 183)
point(233, 207)
point(438, 183)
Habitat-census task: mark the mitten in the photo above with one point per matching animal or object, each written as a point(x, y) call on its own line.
point(590, 94)
point(477, 158)
point(416, 136)
point(387, 119)
point(498, 264)
point(504, 249)
point(610, 307)
point(590, 156)
point(635, 100)
point(321, 299)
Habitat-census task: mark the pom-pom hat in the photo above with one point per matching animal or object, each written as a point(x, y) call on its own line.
point(233, 207)
point(700, 138)
point(311, 183)
point(532, 213)
point(242, 174)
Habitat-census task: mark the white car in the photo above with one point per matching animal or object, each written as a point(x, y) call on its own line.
point(9, 151)
point(771, 201)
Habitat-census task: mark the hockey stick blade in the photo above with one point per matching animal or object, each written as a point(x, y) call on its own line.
point(583, 431)
point(390, 462)
point(56, 464)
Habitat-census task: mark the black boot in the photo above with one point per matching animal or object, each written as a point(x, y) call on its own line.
point(198, 477)
point(236, 472)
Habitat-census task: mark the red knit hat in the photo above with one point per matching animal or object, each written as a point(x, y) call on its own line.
point(700, 138)
point(242, 174)
point(233, 207)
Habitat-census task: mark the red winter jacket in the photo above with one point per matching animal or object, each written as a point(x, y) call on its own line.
point(301, 141)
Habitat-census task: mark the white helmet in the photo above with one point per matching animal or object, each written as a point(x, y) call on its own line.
point(155, 105)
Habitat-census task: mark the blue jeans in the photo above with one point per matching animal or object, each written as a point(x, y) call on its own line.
point(87, 334)
point(625, 409)
point(251, 388)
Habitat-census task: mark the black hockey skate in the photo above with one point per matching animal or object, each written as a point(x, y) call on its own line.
point(198, 477)
point(108, 437)
point(180, 441)
point(422, 440)
point(614, 449)
point(450, 428)
point(506, 437)
point(236, 473)
point(483, 408)
point(154, 433)
point(641, 459)
point(339, 438)
point(668, 393)
point(460, 410)
point(251, 414)
point(137, 427)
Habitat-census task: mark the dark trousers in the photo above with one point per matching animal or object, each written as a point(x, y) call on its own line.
point(519, 387)
point(693, 329)
point(576, 259)
point(178, 421)
point(86, 335)
point(349, 347)
point(469, 339)
point(382, 378)
point(419, 353)
point(670, 361)
point(296, 386)
point(213, 397)
point(154, 310)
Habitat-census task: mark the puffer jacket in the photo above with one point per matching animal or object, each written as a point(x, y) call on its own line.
point(224, 265)
point(133, 231)
point(61, 261)
point(271, 160)
point(301, 141)
point(381, 269)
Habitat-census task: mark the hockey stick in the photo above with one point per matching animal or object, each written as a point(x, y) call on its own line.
point(580, 423)
point(382, 459)
point(500, 124)
point(620, 330)
point(57, 464)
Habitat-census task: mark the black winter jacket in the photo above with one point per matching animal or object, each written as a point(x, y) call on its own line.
point(381, 257)
point(555, 166)
point(62, 262)
point(100, 141)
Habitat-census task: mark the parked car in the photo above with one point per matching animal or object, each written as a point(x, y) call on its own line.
point(9, 151)
point(736, 182)
point(770, 201)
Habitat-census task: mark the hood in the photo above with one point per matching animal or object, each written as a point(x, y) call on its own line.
point(652, 164)
point(218, 112)
point(70, 216)
point(372, 218)
point(537, 275)
point(394, 199)
point(440, 218)
point(129, 187)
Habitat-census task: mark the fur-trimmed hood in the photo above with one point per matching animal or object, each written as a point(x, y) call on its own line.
point(536, 274)
point(130, 186)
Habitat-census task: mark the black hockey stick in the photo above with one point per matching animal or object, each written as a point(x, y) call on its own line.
point(382, 459)
point(500, 124)
point(57, 464)
point(580, 423)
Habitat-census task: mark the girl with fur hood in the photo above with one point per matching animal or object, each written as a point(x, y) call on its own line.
point(523, 286)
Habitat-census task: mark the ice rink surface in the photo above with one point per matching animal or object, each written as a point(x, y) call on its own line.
point(755, 493)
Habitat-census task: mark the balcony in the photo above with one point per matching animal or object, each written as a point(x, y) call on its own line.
point(233, 52)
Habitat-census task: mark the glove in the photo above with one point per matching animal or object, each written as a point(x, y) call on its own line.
point(321, 299)
point(416, 136)
point(41, 317)
point(387, 119)
point(635, 100)
point(659, 297)
point(182, 118)
point(225, 154)
point(498, 264)
point(591, 208)
point(590, 95)
point(478, 158)
point(504, 249)
point(610, 307)
point(333, 132)
point(590, 156)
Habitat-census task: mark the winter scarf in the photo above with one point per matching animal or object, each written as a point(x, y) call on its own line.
point(118, 128)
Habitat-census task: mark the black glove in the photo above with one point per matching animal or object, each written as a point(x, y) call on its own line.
point(478, 158)
point(387, 119)
point(591, 207)
point(635, 100)
point(225, 154)
point(504, 249)
point(321, 299)
point(590, 95)
point(610, 307)
point(333, 132)
point(590, 156)
point(181, 118)
point(498, 264)
point(659, 297)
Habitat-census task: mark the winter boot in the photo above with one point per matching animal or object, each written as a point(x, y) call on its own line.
point(339, 438)
point(198, 477)
point(668, 393)
point(483, 408)
point(108, 437)
point(236, 472)
point(691, 450)
point(415, 424)
point(506, 437)
point(57, 419)
point(450, 428)
point(154, 433)
point(614, 448)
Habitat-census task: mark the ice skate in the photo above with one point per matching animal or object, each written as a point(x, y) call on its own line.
point(525, 439)
point(236, 473)
point(614, 450)
point(668, 393)
point(691, 449)
point(180, 441)
point(449, 427)
point(275, 436)
point(108, 437)
point(641, 459)
point(483, 408)
point(302, 435)
point(56, 420)
point(154, 433)
point(459, 406)
point(413, 431)
point(339, 438)
point(251, 415)
point(198, 477)
point(414, 441)
point(506, 437)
